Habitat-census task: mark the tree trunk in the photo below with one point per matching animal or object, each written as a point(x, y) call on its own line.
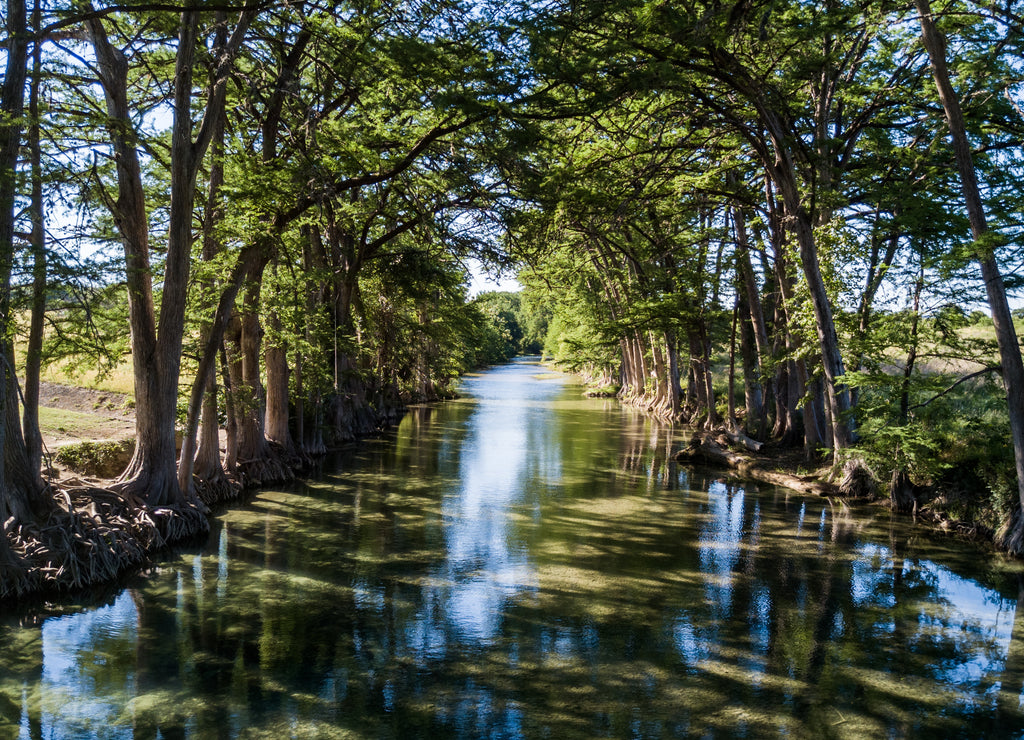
point(785, 383)
point(251, 393)
point(642, 370)
point(34, 350)
point(231, 371)
point(257, 460)
point(153, 473)
point(151, 448)
point(1010, 536)
point(314, 259)
point(908, 369)
point(782, 170)
point(753, 327)
point(713, 419)
point(352, 415)
point(206, 466)
point(812, 433)
point(660, 401)
point(837, 395)
point(205, 381)
point(21, 489)
point(731, 393)
point(278, 411)
point(672, 350)
point(753, 397)
point(700, 376)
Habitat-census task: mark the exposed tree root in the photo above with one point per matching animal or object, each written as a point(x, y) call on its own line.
point(706, 449)
point(314, 448)
point(93, 536)
point(269, 468)
point(217, 489)
point(902, 494)
point(353, 421)
point(96, 534)
point(651, 404)
point(389, 416)
point(1010, 536)
point(859, 481)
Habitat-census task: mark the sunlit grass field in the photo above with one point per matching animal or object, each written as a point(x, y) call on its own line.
point(63, 425)
point(118, 380)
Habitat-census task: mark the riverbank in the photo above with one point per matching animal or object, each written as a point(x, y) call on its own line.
point(527, 558)
point(91, 531)
point(89, 435)
point(787, 467)
point(949, 505)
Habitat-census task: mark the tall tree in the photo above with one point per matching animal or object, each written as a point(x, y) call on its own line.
point(156, 344)
point(1012, 534)
point(21, 489)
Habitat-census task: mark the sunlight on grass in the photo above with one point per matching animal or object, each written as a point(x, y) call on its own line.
point(64, 425)
point(74, 372)
point(118, 380)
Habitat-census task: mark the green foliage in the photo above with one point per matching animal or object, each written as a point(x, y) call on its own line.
point(97, 459)
point(508, 325)
point(955, 441)
point(609, 156)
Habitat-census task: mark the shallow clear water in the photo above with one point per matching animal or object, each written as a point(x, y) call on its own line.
point(524, 562)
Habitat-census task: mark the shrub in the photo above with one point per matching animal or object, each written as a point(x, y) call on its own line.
point(97, 459)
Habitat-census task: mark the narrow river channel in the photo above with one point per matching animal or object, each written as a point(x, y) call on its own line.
point(524, 562)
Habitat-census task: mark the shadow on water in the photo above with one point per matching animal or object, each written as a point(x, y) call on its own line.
point(524, 562)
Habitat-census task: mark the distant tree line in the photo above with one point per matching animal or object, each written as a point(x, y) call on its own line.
point(512, 325)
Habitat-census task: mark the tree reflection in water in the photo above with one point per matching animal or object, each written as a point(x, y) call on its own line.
point(529, 563)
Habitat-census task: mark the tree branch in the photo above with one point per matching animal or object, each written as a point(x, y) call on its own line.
point(996, 368)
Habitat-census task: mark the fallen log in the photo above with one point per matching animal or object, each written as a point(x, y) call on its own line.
point(737, 437)
point(706, 450)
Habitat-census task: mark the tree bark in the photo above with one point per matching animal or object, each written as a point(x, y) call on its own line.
point(753, 396)
point(156, 352)
point(21, 489)
point(753, 332)
point(34, 350)
point(130, 217)
point(257, 462)
point(672, 351)
point(207, 464)
point(779, 164)
point(837, 395)
point(276, 362)
point(231, 371)
point(314, 257)
point(150, 472)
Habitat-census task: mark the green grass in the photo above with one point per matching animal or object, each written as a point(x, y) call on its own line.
point(62, 424)
point(118, 380)
point(70, 372)
point(985, 329)
point(100, 459)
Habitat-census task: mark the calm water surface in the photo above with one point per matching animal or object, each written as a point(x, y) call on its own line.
point(528, 563)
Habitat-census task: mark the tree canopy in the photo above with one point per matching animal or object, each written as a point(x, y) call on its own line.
point(768, 218)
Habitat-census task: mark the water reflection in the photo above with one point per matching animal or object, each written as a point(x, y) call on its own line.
point(528, 563)
point(485, 565)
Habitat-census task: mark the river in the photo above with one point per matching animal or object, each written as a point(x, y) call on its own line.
point(525, 562)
